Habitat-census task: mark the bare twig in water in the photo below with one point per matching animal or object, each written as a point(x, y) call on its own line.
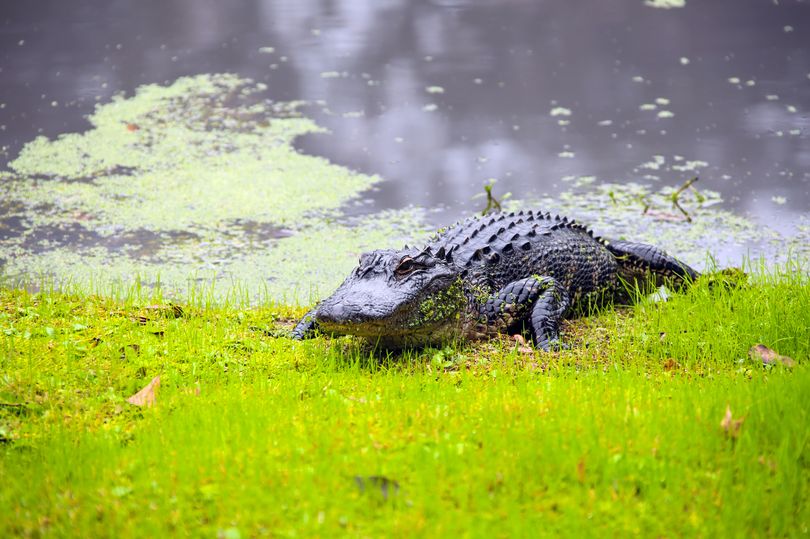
point(676, 196)
point(492, 202)
point(644, 202)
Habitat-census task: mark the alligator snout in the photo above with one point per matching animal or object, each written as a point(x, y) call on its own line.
point(348, 312)
point(337, 313)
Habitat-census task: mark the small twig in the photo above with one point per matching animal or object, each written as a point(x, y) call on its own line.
point(676, 195)
point(644, 202)
point(683, 211)
point(686, 185)
point(492, 202)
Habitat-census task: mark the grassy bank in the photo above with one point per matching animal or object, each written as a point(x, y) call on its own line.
point(254, 434)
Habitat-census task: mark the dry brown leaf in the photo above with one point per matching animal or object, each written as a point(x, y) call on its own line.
point(523, 348)
point(760, 352)
point(146, 396)
point(730, 425)
point(670, 364)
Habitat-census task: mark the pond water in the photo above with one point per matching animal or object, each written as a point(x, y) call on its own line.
point(596, 113)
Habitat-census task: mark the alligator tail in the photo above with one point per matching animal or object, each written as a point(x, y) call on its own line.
point(636, 259)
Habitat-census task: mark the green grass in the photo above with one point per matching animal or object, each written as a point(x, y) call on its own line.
point(258, 435)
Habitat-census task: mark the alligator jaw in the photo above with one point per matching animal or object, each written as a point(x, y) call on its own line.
point(396, 316)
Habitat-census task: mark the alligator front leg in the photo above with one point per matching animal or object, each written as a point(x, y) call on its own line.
point(307, 327)
point(540, 301)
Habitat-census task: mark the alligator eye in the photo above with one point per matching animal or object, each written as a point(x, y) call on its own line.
point(406, 266)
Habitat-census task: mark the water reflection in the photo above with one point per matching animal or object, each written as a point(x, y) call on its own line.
point(723, 83)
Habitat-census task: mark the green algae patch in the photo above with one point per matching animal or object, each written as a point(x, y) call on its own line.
point(441, 306)
point(192, 155)
point(180, 184)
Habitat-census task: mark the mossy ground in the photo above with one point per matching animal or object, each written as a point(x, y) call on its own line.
point(255, 434)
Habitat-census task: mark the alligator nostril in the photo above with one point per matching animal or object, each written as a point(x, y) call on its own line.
point(339, 312)
point(335, 312)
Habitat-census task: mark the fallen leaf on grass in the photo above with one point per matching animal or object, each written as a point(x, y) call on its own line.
point(760, 352)
point(522, 347)
point(730, 425)
point(146, 396)
point(670, 364)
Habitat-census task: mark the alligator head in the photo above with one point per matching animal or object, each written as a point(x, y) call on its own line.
point(398, 298)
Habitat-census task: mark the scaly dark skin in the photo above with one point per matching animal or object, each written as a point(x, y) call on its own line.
point(503, 273)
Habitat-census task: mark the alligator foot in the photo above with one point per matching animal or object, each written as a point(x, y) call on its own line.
point(548, 310)
point(539, 302)
point(306, 328)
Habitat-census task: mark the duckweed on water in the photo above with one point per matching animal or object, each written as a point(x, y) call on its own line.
point(190, 156)
point(190, 164)
point(180, 185)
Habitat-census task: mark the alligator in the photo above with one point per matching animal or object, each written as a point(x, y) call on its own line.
point(519, 272)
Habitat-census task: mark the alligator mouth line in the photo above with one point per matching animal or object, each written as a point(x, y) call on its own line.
point(387, 328)
point(376, 330)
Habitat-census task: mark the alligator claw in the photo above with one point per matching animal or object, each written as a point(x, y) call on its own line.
point(306, 328)
point(554, 345)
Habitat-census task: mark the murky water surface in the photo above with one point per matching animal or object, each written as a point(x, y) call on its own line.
point(598, 113)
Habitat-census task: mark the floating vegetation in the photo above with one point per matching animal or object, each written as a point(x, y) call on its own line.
point(197, 185)
point(560, 111)
point(186, 168)
point(665, 4)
